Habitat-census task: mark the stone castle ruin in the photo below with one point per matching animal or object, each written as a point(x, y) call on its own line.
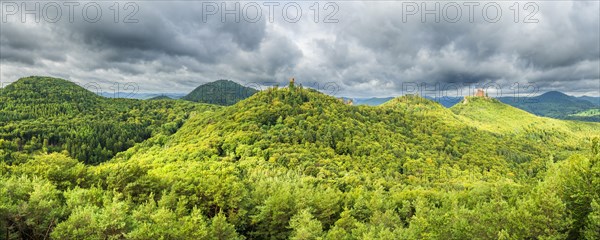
point(480, 93)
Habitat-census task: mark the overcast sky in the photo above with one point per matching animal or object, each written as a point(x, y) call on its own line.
point(359, 49)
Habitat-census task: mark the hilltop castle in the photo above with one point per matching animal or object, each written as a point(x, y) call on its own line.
point(480, 93)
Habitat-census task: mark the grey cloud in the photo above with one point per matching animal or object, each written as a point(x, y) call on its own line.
point(370, 52)
point(503, 51)
point(246, 35)
point(28, 46)
point(172, 30)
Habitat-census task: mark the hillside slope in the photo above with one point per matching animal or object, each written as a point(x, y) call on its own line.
point(495, 116)
point(287, 152)
point(221, 92)
point(43, 114)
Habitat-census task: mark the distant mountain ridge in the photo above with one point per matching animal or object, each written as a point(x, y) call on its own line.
point(373, 101)
point(161, 97)
point(552, 104)
point(446, 101)
point(141, 96)
point(594, 100)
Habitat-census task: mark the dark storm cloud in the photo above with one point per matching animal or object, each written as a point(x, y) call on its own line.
point(27, 45)
point(380, 49)
point(18, 56)
point(172, 30)
point(371, 51)
point(247, 36)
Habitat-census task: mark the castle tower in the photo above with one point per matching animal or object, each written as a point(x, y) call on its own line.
point(480, 93)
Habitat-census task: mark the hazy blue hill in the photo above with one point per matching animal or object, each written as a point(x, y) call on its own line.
point(141, 96)
point(161, 97)
point(552, 104)
point(554, 95)
point(594, 100)
point(221, 92)
point(446, 101)
point(374, 101)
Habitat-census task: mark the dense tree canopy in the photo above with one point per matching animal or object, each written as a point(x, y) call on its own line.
point(220, 92)
point(292, 163)
point(52, 115)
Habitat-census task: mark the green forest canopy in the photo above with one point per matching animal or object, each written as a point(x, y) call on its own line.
point(292, 163)
point(220, 92)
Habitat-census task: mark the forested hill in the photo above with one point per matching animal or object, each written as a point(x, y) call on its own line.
point(221, 92)
point(33, 95)
point(495, 116)
point(551, 104)
point(293, 163)
point(42, 114)
point(51, 89)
